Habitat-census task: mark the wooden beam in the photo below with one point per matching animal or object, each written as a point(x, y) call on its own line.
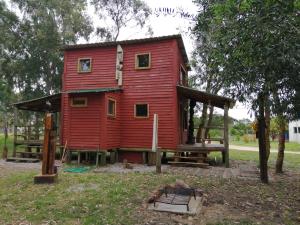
point(226, 138)
point(155, 143)
point(15, 131)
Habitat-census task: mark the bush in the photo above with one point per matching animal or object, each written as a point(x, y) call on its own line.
point(245, 138)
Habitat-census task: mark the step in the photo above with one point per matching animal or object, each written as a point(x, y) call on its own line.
point(19, 159)
point(30, 153)
point(189, 157)
point(202, 165)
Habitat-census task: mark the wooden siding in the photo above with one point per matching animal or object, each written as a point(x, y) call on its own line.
point(82, 125)
point(154, 86)
point(112, 130)
point(91, 127)
point(103, 69)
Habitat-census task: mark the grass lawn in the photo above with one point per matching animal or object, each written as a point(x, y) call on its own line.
point(290, 160)
point(110, 198)
point(9, 143)
point(289, 146)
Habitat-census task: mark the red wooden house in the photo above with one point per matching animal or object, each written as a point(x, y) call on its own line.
point(111, 90)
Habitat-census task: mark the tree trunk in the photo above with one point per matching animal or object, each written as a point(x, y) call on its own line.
point(268, 120)
point(202, 123)
point(263, 163)
point(281, 145)
point(210, 116)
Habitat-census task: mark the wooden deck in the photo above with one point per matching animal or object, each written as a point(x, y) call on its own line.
point(199, 147)
point(196, 154)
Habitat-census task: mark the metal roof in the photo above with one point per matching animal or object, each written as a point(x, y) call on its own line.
point(41, 104)
point(97, 90)
point(133, 41)
point(204, 97)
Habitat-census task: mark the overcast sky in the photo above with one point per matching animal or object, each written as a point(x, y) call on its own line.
point(167, 25)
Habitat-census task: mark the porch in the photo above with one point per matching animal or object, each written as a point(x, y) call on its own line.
point(195, 150)
point(28, 131)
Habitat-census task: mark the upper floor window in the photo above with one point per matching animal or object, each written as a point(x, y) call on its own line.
point(79, 102)
point(84, 65)
point(143, 61)
point(111, 107)
point(141, 110)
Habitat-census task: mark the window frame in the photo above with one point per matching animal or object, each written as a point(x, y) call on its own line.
point(298, 130)
point(79, 98)
point(115, 107)
point(79, 67)
point(141, 117)
point(137, 61)
point(295, 130)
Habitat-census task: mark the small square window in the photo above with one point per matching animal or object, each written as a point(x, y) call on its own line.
point(84, 65)
point(143, 61)
point(141, 110)
point(111, 107)
point(79, 102)
point(295, 130)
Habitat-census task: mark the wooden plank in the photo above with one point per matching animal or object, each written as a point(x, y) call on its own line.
point(52, 148)
point(136, 149)
point(189, 157)
point(20, 159)
point(29, 153)
point(202, 165)
point(46, 146)
point(15, 130)
point(200, 147)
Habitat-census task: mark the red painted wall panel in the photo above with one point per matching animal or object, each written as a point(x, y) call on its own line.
point(103, 69)
point(91, 127)
point(82, 127)
point(113, 129)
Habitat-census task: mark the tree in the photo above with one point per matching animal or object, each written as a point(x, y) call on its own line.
point(31, 62)
point(254, 47)
point(120, 14)
point(46, 26)
point(207, 74)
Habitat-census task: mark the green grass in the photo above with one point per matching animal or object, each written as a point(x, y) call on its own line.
point(110, 198)
point(291, 161)
point(289, 146)
point(9, 143)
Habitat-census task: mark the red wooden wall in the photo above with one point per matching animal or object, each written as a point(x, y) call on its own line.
point(90, 126)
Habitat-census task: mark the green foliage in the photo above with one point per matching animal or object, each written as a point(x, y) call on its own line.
point(32, 62)
point(240, 129)
point(120, 14)
point(252, 47)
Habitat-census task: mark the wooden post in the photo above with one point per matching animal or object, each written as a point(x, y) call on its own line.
point(155, 143)
point(15, 131)
point(5, 150)
point(226, 139)
point(48, 171)
point(191, 137)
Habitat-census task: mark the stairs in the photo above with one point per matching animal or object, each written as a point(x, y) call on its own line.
point(186, 158)
point(18, 159)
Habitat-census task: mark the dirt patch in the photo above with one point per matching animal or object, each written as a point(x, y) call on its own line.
point(7, 168)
